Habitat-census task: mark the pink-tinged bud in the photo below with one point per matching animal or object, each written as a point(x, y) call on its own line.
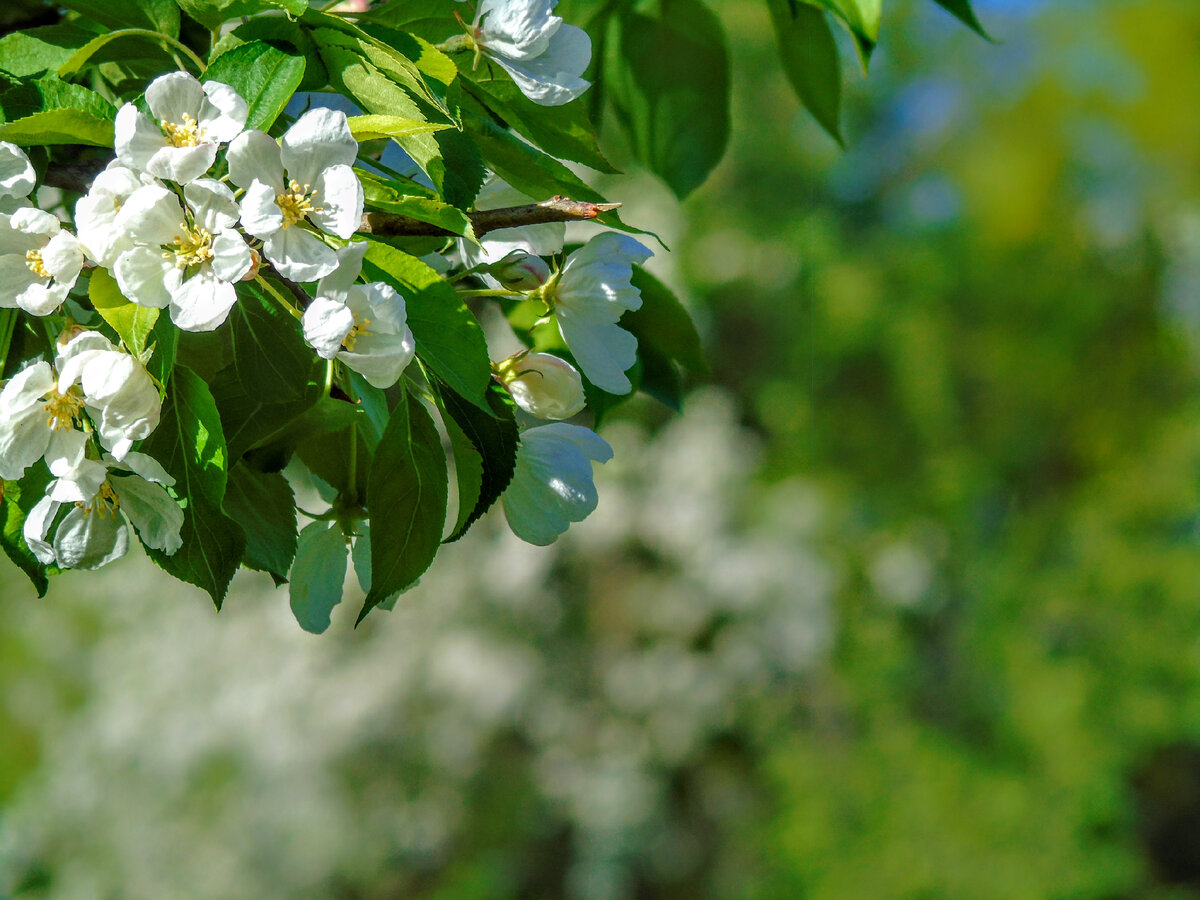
point(255, 265)
point(520, 271)
point(543, 385)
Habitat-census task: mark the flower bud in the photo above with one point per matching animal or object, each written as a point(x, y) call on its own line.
point(543, 385)
point(520, 271)
point(255, 264)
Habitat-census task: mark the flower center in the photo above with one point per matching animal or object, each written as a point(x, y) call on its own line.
point(62, 410)
point(33, 259)
point(187, 133)
point(193, 249)
point(104, 504)
point(361, 324)
point(296, 202)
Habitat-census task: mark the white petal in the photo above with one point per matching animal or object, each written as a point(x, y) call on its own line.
point(319, 139)
point(182, 164)
point(203, 302)
point(261, 215)
point(89, 540)
point(17, 178)
point(254, 156)
point(35, 221)
point(603, 350)
point(212, 203)
point(173, 95)
point(157, 518)
point(381, 358)
point(339, 202)
point(553, 78)
point(148, 467)
point(326, 323)
point(231, 256)
point(299, 255)
point(146, 278)
point(15, 279)
point(63, 258)
point(152, 215)
point(222, 113)
point(136, 138)
point(42, 299)
point(337, 284)
point(37, 525)
point(518, 29)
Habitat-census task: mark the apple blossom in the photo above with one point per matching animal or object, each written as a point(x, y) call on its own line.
point(363, 325)
point(190, 121)
point(39, 261)
point(552, 485)
point(185, 258)
point(17, 178)
point(588, 297)
point(105, 494)
point(543, 385)
point(308, 177)
point(544, 56)
point(102, 239)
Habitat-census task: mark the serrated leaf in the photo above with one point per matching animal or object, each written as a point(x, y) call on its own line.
point(375, 127)
point(51, 111)
point(449, 339)
point(388, 195)
point(284, 34)
point(131, 322)
point(493, 439)
point(318, 575)
point(265, 76)
point(269, 352)
point(406, 499)
point(37, 50)
point(961, 10)
point(667, 77)
point(190, 445)
point(145, 42)
point(153, 15)
point(810, 60)
point(263, 504)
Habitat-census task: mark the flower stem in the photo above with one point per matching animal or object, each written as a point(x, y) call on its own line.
point(279, 298)
point(488, 293)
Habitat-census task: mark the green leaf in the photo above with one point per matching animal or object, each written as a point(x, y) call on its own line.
point(486, 465)
point(265, 76)
point(38, 50)
point(191, 447)
point(663, 325)
point(861, 18)
point(137, 42)
point(52, 111)
point(449, 339)
point(374, 127)
point(406, 500)
point(269, 352)
point(388, 195)
point(668, 80)
point(283, 34)
point(562, 131)
point(249, 419)
point(961, 10)
point(131, 322)
point(153, 15)
point(164, 338)
point(318, 575)
point(19, 497)
point(263, 504)
point(810, 59)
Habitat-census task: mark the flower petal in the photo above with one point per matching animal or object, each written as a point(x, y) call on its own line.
point(339, 199)
point(299, 255)
point(203, 302)
point(231, 256)
point(157, 518)
point(173, 95)
point(326, 323)
point(17, 178)
point(319, 139)
point(254, 156)
point(222, 113)
point(146, 278)
point(212, 204)
point(90, 539)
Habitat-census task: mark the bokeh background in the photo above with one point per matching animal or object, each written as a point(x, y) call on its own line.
point(906, 604)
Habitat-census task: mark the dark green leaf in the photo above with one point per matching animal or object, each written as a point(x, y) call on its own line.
point(283, 34)
point(265, 76)
point(52, 111)
point(318, 575)
point(810, 59)
point(388, 195)
point(164, 338)
point(191, 447)
point(406, 502)
point(494, 440)
point(154, 15)
point(663, 325)
point(38, 50)
point(19, 497)
point(262, 503)
point(961, 9)
point(861, 18)
point(131, 42)
point(269, 352)
point(449, 339)
point(667, 77)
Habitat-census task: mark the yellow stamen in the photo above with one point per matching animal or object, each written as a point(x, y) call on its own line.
point(62, 410)
point(296, 202)
point(361, 323)
point(187, 133)
point(33, 259)
point(104, 504)
point(193, 249)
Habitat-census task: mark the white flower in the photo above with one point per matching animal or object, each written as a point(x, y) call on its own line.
point(96, 213)
point(17, 178)
point(552, 485)
point(104, 494)
point(187, 260)
point(588, 298)
point(41, 414)
point(118, 393)
point(543, 385)
point(535, 240)
point(363, 325)
point(544, 56)
point(190, 120)
point(39, 262)
point(309, 178)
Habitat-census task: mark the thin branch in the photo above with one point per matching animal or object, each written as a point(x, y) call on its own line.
point(557, 209)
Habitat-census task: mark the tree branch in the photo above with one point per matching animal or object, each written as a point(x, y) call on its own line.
point(557, 209)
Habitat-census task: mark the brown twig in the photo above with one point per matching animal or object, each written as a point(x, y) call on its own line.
point(556, 209)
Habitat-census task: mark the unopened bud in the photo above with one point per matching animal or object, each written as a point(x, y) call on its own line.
point(543, 385)
point(520, 271)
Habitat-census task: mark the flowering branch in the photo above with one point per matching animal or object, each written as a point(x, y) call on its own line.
point(556, 209)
